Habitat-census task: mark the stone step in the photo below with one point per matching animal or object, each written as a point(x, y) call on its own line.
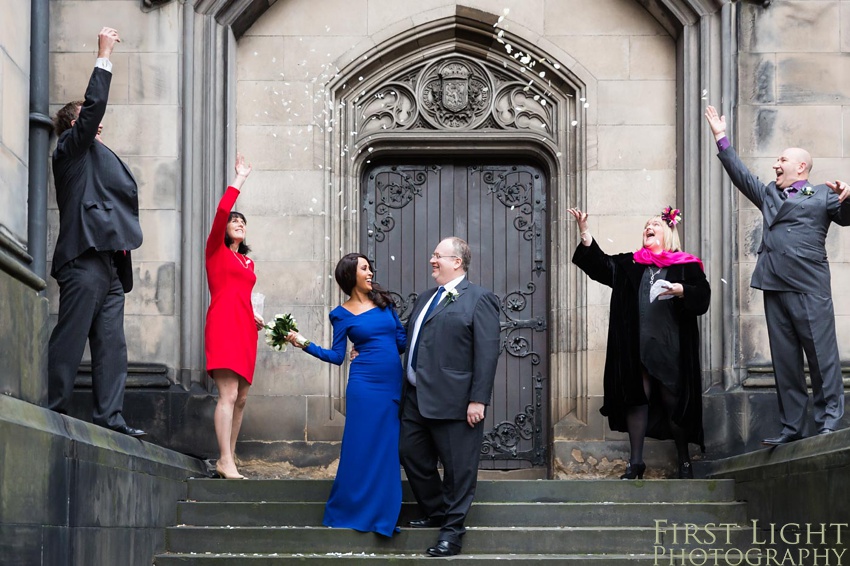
point(478, 540)
point(334, 559)
point(517, 491)
point(583, 514)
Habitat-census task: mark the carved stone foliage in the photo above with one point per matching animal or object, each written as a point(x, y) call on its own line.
point(455, 93)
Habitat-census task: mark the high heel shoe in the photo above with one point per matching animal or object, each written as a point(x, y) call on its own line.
point(634, 471)
point(222, 474)
point(686, 471)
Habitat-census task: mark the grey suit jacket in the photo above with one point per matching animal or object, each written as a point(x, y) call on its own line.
point(96, 193)
point(458, 351)
point(792, 255)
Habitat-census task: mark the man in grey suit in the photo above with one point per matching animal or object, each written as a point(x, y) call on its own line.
point(98, 205)
point(452, 354)
point(793, 272)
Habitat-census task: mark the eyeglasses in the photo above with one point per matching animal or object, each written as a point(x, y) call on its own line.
point(439, 257)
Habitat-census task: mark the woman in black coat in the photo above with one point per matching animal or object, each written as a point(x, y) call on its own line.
point(652, 382)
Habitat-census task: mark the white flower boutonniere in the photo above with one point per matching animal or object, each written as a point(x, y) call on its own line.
point(451, 295)
point(807, 191)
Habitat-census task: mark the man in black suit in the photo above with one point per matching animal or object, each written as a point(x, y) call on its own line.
point(453, 350)
point(98, 226)
point(793, 272)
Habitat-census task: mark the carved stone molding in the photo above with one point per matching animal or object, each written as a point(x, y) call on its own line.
point(456, 93)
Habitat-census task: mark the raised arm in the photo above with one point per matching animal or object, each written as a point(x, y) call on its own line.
point(225, 205)
point(85, 128)
point(588, 256)
point(741, 177)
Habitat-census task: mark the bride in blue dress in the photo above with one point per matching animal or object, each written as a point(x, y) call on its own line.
point(366, 494)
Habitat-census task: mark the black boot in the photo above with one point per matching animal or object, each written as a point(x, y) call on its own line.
point(634, 471)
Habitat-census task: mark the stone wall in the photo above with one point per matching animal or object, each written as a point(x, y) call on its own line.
point(630, 166)
point(800, 485)
point(14, 126)
point(793, 92)
point(142, 126)
point(283, 63)
point(75, 494)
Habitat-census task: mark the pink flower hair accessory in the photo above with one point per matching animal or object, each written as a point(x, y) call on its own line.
point(672, 216)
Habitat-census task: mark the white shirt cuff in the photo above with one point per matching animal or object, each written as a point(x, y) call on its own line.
point(104, 64)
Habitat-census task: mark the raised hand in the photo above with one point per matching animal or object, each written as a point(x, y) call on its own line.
point(243, 169)
point(840, 188)
point(106, 40)
point(716, 122)
point(581, 218)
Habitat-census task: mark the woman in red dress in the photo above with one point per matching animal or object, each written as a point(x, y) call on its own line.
point(231, 328)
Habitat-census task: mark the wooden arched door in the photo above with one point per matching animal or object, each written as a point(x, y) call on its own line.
point(500, 209)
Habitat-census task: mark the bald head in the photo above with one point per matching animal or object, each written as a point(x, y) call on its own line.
point(794, 164)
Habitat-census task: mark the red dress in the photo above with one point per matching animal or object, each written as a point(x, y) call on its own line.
point(230, 334)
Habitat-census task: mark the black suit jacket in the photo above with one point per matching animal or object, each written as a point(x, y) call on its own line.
point(792, 254)
point(458, 351)
point(96, 193)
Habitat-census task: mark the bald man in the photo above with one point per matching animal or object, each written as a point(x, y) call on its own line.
point(793, 272)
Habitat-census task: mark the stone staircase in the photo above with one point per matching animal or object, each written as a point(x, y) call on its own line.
point(598, 522)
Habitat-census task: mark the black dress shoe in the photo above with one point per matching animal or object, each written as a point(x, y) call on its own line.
point(129, 431)
point(426, 523)
point(444, 548)
point(686, 471)
point(781, 439)
point(825, 431)
point(634, 471)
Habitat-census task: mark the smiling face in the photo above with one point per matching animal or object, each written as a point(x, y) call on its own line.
point(236, 230)
point(654, 234)
point(445, 263)
point(363, 276)
point(793, 165)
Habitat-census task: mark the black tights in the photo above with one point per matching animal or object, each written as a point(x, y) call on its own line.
point(637, 419)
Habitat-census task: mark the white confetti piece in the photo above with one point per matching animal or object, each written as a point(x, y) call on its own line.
point(724, 281)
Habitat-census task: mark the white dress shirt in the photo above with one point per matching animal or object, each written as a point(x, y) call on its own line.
point(411, 374)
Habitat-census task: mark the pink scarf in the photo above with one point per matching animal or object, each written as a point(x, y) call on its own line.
point(665, 258)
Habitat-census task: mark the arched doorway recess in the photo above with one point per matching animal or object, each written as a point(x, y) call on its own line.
point(451, 90)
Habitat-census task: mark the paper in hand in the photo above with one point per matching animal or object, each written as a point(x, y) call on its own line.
point(657, 288)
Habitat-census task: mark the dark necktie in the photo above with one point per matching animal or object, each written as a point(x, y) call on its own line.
point(431, 307)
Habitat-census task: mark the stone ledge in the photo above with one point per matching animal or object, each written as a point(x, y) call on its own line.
point(73, 494)
point(762, 376)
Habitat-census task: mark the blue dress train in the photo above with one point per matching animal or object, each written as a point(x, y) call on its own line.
point(366, 494)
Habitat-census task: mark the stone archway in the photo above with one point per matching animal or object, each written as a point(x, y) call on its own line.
point(449, 87)
point(695, 26)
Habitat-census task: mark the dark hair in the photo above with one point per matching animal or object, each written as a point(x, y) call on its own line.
point(244, 248)
point(66, 114)
point(346, 277)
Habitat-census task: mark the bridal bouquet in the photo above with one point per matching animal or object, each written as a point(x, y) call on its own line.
point(277, 330)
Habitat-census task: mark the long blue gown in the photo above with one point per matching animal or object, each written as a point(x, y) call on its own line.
point(366, 494)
